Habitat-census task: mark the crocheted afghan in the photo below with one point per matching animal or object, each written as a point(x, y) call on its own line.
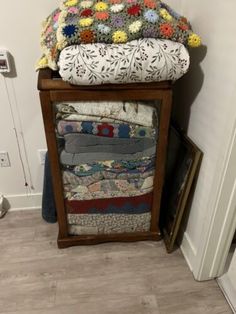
point(110, 22)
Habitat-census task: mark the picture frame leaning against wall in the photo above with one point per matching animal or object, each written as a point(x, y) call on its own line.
point(182, 167)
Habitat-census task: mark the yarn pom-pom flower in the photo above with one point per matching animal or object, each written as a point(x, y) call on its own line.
point(73, 10)
point(86, 22)
point(86, 4)
point(71, 3)
point(150, 32)
point(55, 26)
point(69, 30)
point(183, 26)
point(117, 8)
point(43, 62)
point(100, 6)
point(134, 9)
point(170, 11)
point(151, 16)
point(166, 30)
point(105, 130)
point(102, 16)
point(104, 29)
point(183, 20)
point(115, 1)
point(48, 30)
point(194, 40)
point(87, 36)
point(56, 17)
point(86, 13)
point(165, 14)
point(119, 37)
point(117, 21)
point(135, 27)
point(150, 4)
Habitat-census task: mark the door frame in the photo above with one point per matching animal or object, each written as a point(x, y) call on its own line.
point(210, 261)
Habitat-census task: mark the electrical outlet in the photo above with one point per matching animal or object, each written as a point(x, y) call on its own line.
point(4, 159)
point(42, 155)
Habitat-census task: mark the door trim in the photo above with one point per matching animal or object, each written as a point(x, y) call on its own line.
point(211, 259)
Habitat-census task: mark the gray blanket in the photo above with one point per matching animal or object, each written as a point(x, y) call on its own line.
point(76, 159)
point(85, 143)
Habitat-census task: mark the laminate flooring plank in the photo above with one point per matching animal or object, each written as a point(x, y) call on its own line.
point(27, 296)
point(146, 304)
point(26, 251)
point(24, 234)
point(140, 277)
point(20, 219)
point(46, 231)
point(124, 284)
point(206, 299)
point(84, 266)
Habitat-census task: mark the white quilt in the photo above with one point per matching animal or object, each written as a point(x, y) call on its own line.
point(137, 112)
point(143, 60)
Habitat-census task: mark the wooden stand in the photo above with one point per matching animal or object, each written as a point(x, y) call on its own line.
point(53, 89)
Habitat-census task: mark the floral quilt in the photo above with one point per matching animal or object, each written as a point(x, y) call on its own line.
point(143, 60)
point(108, 223)
point(110, 21)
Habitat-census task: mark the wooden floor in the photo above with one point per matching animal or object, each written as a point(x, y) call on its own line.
point(38, 278)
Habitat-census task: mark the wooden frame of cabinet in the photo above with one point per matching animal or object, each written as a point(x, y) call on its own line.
point(53, 89)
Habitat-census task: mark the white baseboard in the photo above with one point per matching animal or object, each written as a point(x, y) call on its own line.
point(228, 290)
point(24, 201)
point(188, 250)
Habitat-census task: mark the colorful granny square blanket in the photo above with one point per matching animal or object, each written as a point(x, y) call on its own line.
point(110, 21)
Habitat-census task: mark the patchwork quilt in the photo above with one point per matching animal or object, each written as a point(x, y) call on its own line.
point(120, 205)
point(120, 130)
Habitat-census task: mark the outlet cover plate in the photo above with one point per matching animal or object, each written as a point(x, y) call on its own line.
point(42, 155)
point(4, 160)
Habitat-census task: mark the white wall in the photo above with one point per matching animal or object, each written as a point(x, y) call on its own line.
point(205, 106)
point(20, 26)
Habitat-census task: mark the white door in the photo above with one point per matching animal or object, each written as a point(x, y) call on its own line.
point(214, 252)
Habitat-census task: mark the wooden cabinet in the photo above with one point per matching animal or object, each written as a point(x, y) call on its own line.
point(53, 89)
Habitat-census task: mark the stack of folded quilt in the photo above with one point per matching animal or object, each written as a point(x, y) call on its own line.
point(94, 42)
point(107, 161)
